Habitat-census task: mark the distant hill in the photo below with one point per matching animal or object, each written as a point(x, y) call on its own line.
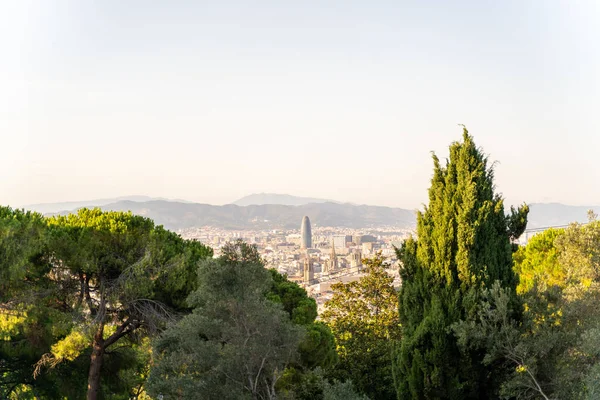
point(49, 208)
point(175, 215)
point(552, 214)
point(281, 199)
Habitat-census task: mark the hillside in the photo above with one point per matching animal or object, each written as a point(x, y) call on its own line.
point(174, 215)
point(178, 214)
point(48, 208)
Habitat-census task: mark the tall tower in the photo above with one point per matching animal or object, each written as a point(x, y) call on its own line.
point(305, 233)
point(309, 271)
point(332, 264)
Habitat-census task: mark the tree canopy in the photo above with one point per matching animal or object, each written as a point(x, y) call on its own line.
point(553, 352)
point(108, 305)
point(236, 344)
point(463, 246)
point(93, 279)
point(363, 316)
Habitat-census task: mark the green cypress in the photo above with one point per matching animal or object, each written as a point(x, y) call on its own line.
point(463, 245)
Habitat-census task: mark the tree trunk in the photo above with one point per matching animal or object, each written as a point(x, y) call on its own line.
point(96, 364)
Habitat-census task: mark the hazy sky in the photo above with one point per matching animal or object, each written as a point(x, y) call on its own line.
point(211, 101)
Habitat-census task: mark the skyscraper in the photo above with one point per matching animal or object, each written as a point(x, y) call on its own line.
point(305, 233)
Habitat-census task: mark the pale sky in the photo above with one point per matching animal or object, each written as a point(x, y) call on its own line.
point(211, 101)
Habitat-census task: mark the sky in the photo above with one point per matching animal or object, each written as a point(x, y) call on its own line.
point(345, 100)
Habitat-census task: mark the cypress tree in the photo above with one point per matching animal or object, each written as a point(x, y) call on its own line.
point(463, 245)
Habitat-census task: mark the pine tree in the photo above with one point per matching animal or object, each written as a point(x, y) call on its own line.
point(463, 246)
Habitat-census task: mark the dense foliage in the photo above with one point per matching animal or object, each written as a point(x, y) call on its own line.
point(463, 247)
point(363, 316)
point(86, 290)
point(236, 343)
point(107, 305)
point(554, 352)
point(249, 328)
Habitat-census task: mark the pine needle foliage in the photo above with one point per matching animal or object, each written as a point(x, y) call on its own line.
point(463, 246)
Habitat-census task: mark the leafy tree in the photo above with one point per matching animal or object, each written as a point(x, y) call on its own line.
point(554, 351)
point(56, 277)
point(236, 343)
point(463, 246)
point(317, 349)
point(579, 255)
point(537, 263)
point(313, 385)
point(111, 275)
point(363, 316)
point(25, 331)
point(568, 308)
point(341, 391)
point(496, 330)
point(294, 299)
point(21, 246)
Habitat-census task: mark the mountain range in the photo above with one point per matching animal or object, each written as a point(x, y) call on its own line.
point(50, 208)
point(175, 215)
point(261, 211)
point(275, 198)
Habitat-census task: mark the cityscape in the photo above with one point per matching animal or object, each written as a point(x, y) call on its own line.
point(233, 200)
point(315, 257)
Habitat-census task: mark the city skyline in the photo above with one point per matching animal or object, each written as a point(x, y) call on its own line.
point(328, 200)
point(211, 102)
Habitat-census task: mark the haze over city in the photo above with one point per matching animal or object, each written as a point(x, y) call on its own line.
point(309, 200)
point(209, 102)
